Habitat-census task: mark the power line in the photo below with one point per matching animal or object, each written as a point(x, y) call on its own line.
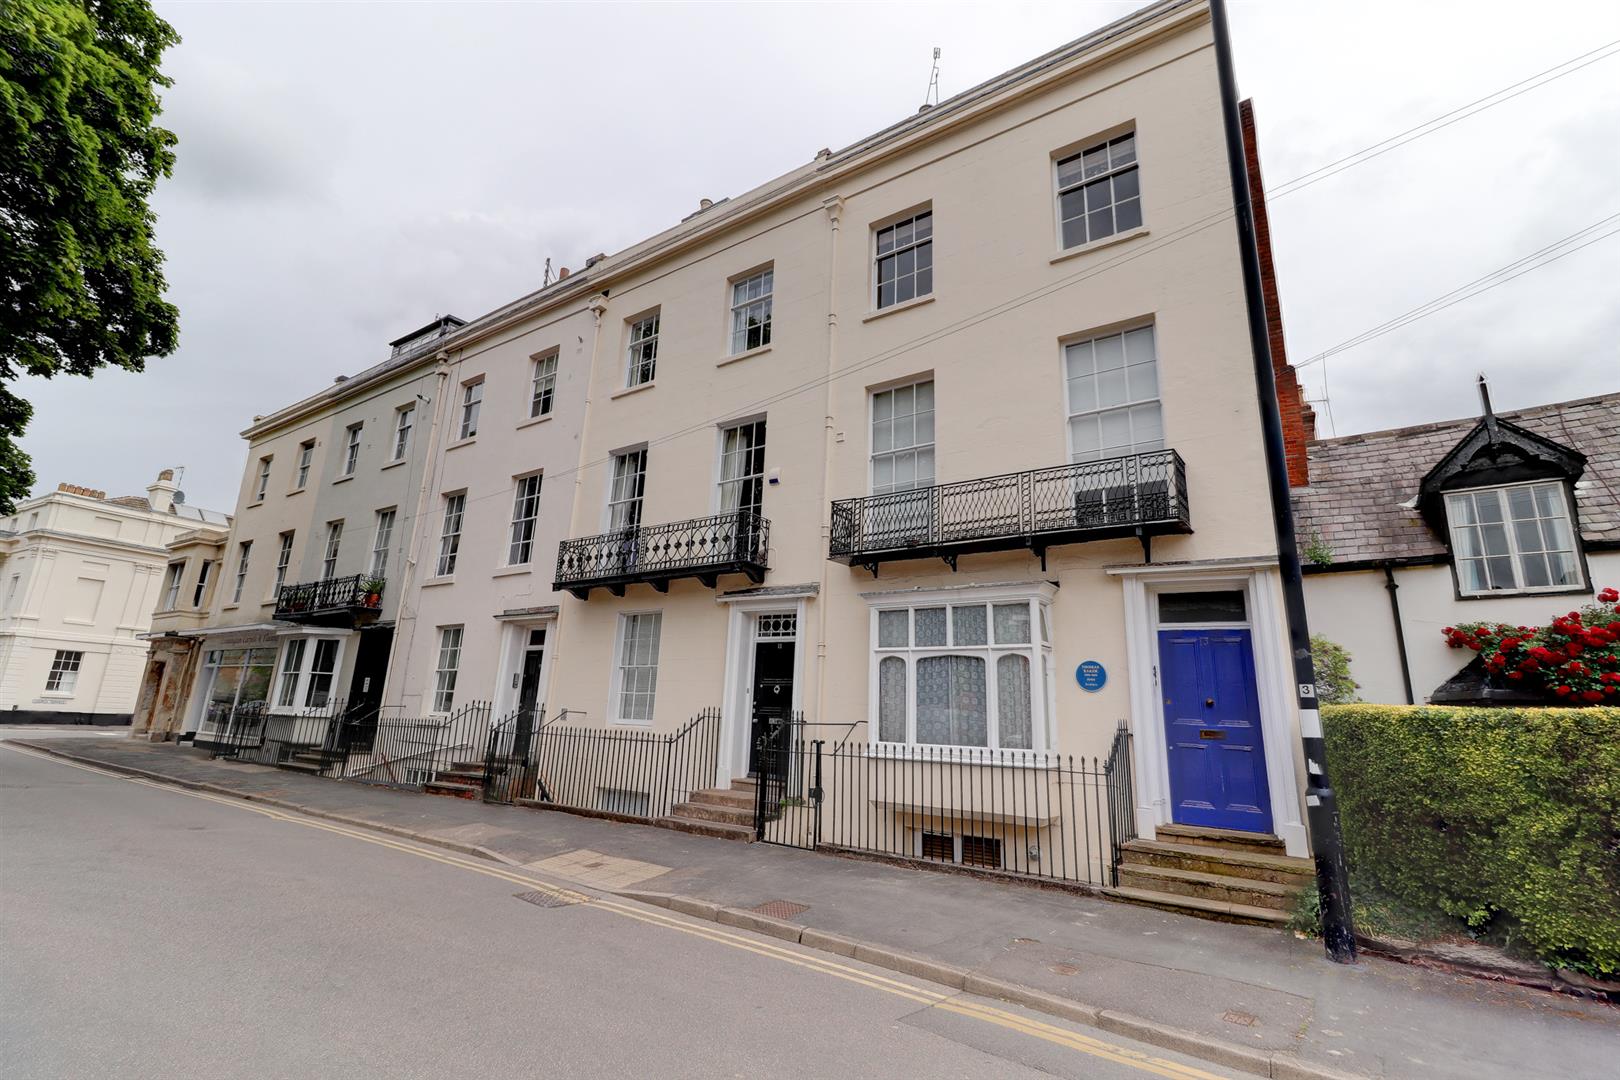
point(1155, 245)
point(1513, 270)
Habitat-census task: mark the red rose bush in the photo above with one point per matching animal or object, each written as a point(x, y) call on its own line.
point(1575, 659)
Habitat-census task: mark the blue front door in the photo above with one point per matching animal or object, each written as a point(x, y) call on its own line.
point(1212, 730)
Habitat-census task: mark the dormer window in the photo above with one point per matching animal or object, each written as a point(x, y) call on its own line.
point(1517, 539)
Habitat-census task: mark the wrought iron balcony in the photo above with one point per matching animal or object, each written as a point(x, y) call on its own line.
point(1138, 495)
point(702, 548)
point(344, 601)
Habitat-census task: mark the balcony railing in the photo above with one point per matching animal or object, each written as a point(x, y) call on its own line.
point(353, 599)
point(1137, 495)
point(702, 548)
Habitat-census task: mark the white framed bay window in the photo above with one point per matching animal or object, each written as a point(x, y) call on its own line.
point(962, 668)
point(305, 672)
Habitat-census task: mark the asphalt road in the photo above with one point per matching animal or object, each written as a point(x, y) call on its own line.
point(147, 932)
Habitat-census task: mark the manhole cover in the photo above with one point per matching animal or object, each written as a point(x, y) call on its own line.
point(1235, 1017)
point(780, 909)
point(550, 899)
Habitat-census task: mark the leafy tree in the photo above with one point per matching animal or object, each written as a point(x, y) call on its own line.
point(81, 282)
point(1334, 684)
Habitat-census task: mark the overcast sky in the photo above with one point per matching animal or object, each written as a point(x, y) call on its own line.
point(346, 172)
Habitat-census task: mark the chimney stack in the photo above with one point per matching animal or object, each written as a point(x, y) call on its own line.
point(160, 493)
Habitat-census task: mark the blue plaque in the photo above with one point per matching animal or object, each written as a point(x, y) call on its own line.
point(1091, 676)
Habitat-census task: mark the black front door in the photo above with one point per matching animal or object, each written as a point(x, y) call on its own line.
point(773, 693)
point(534, 653)
point(366, 687)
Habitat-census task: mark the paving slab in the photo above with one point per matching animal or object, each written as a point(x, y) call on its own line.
point(1244, 987)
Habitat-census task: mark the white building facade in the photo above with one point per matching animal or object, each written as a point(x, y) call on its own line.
point(81, 576)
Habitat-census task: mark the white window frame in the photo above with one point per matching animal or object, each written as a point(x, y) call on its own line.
point(1119, 159)
point(543, 384)
point(525, 519)
point(243, 551)
point(1130, 406)
point(451, 522)
point(351, 448)
point(404, 418)
point(752, 296)
point(382, 539)
point(283, 560)
point(63, 677)
point(730, 485)
point(201, 588)
point(641, 354)
point(264, 479)
point(171, 585)
point(334, 544)
point(296, 682)
point(472, 403)
point(1037, 651)
point(306, 456)
point(912, 245)
point(627, 489)
point(621, 639)
point(1515, 553)
point(447, 667)
point(891, 452)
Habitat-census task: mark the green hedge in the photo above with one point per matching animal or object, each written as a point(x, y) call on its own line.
point(1486, 813)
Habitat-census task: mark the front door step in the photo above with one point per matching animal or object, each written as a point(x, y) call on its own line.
point(1225, 839)
point(725, 812)
point(1213, 874)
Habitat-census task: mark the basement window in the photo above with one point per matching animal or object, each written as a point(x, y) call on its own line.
point(619, 801)
point(983, 851)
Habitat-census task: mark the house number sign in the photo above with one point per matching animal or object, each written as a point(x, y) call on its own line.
point(1091, 676)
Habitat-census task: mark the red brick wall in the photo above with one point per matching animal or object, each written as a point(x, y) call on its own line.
point(1298, 418)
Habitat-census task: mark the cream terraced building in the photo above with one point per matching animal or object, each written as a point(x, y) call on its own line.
point(943, 449)
point(897, 442)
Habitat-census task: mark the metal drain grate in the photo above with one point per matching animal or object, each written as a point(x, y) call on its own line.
point(550, 899)
point(780, 909)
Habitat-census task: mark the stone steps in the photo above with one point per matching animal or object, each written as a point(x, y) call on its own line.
point(725, 812)
point(1213, 874)
point(1283, 869)
point(711, 812)
point(1223, 839)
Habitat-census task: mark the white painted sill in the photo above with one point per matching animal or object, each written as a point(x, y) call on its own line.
point(396, 463)
point(513, 571)
point(436, 581)
point(1098, 245)
point(636, 389)
point(255, 502)
point(533, 420)
point(739, 357)
point(459, 443)
point(344, 479)
point(294, 491)
point(904, 305)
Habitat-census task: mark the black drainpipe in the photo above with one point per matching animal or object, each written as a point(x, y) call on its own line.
point(1338, 925)
point(1400, 632)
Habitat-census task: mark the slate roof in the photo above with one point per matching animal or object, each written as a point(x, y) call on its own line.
point(1359, 483)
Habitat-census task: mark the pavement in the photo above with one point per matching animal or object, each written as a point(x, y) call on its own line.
point(152, 932)
point(1255, 999)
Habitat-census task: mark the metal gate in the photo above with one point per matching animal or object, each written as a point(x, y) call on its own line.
point(787, 803)
point(511, 768)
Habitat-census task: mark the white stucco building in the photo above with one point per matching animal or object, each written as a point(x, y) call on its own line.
point(80, 577)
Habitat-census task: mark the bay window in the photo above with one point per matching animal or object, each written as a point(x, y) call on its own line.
point(962, 672)
point(308, 667)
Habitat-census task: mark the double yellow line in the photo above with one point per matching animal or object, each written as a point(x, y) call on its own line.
point(808, 961)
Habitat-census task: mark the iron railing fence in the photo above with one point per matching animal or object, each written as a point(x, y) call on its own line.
point(738, 541)
point(1121, 782)
point(329, 594)
point(1111, 494)
point(259, 733)
point(1043, 815)
point(412, 752)
point(625, 773)
point(511, 756)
